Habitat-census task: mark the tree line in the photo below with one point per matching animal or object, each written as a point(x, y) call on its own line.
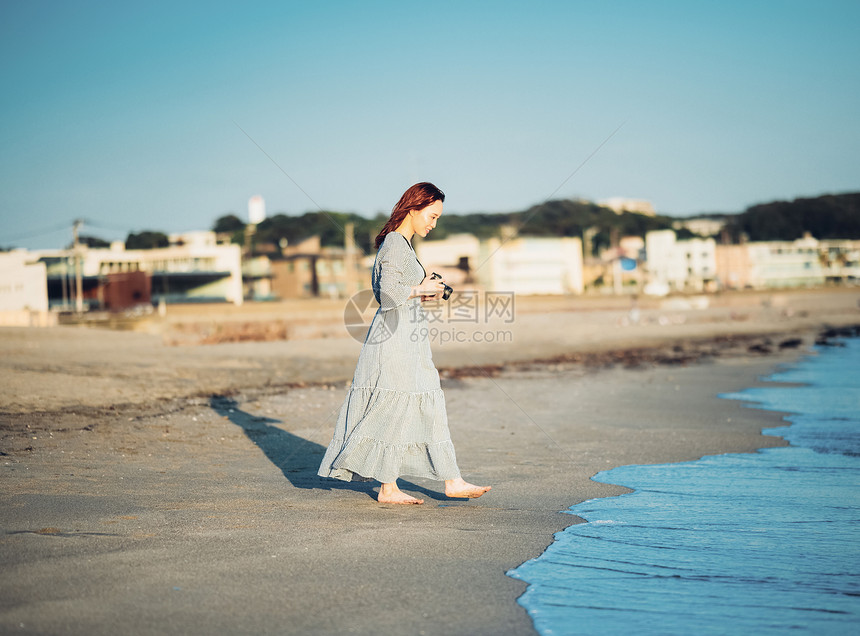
point(832, 216)
point(553, 218)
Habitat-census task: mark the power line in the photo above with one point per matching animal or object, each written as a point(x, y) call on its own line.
point(105, 226)
point(37, 233)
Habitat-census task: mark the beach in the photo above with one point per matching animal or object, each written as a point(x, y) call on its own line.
point(152, 484)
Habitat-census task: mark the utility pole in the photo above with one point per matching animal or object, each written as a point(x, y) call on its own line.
point(588, 241)
point(65, 285)
point(79, 283)
point(349, 259)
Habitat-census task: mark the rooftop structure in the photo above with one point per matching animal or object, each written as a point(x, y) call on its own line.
point(637, 206)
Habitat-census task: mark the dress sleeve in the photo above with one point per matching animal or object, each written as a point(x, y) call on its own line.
point(394, 289)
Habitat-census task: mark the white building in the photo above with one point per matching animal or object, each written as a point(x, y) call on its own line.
point(523, 265)
point(454, 258)
point(840, 260)
point(785, 263)
point(193, 267)
point(621, 204)
point(688, 265)
point(532, 265)
point(256, 209)
point(23, 290)
point(703, 226)
point(801, 263)
point(198, 239)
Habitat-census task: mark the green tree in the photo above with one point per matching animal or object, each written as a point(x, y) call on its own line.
point(832, 216)
point(146, 240)
point(92, 241)
point(330, 227)
point(481, 224)
point(228, 223)
point(555, 218)
point(682, 234)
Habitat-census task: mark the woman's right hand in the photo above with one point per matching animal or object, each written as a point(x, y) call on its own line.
point(428, 289)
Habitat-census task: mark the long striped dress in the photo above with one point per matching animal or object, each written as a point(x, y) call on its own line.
point(393, 421)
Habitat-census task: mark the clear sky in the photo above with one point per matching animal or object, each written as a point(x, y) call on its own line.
point(131, 115)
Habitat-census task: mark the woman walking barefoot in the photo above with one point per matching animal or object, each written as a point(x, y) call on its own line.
point(393, 421)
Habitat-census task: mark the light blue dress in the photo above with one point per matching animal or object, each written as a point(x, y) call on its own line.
point(393, 421)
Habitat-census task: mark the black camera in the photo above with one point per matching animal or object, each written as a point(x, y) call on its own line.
point(446, 294)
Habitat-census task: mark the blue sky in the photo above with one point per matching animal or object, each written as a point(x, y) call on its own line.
point(132, 117)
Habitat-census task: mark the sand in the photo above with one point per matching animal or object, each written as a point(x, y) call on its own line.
point(152, 489)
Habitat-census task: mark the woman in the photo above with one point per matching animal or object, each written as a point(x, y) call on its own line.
point(393, 421)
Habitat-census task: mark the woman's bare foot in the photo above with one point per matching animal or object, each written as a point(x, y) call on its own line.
point(390, 493)
point(460, 488)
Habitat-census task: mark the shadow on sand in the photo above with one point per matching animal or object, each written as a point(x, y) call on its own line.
point(297, 458)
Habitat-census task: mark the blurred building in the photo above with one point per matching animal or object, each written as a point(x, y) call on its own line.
point(523, 265)
point(703, 226)
point(257, 277)
point(308, 270)
point(840, 260)
point(804, 262)
point(454, 258)
point(531, 265)
point(126, 290)
point(23, 290)
point(785, 264)
point(194, 268)
point(256, 209)
point(637, 206)
point(734, 267)
point(688, 265)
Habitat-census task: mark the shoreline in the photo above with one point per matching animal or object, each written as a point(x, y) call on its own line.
point(659, 353)
point(213, 502)
point(61, 368)
point(710, 500)
point(698, 351)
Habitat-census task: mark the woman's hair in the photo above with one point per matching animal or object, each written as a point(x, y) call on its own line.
point(417, 197)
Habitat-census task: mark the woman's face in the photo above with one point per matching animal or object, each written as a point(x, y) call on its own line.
point(425, 220)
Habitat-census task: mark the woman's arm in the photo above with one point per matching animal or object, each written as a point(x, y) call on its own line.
point(428, 288)
point(393, 288)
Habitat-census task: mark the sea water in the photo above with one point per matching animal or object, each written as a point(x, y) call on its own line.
point(758, 543)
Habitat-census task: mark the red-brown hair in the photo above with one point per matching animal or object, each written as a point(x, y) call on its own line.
point(417, 197)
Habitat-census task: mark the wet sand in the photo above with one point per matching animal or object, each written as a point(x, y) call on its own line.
point(150, 488)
